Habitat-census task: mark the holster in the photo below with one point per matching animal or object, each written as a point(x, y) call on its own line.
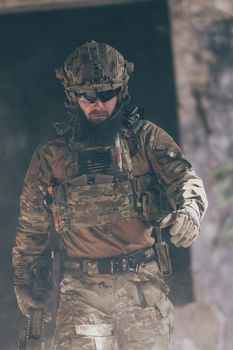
point(162, 252)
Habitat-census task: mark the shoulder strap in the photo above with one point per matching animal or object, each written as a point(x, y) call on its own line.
point(133, 122)
point(63, 127)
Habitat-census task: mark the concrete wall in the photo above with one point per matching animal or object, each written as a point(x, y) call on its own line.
point(203, 53)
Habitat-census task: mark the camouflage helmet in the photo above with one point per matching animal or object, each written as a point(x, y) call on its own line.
point(94, 66)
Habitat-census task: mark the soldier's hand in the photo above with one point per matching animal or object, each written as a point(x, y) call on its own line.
point(185, 226)
point(25, 299)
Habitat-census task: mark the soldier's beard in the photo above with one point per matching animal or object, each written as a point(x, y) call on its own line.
point(99, 132)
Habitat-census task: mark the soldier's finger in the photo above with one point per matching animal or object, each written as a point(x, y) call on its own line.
point(192, 237)
point(179, 226)
point(176, 228)
point(187, 244)
point(187, 232)
point(176, 238)
point(184, 232)
point(176, 242)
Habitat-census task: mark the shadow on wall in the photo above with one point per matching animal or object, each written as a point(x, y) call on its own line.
point(31, 99)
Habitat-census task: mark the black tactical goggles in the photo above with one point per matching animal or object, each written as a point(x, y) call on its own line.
point(103, 96)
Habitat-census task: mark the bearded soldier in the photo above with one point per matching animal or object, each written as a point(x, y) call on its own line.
point(108, 178)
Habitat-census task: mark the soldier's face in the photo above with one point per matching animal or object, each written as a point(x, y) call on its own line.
point(97, 111)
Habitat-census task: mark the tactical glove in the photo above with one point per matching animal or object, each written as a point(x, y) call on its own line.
point(25, 299)
point(185, 226)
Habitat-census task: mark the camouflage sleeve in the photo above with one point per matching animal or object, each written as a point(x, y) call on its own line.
point(32, 232)
point(182, 186)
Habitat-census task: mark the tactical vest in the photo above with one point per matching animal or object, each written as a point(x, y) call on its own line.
point(101, 189)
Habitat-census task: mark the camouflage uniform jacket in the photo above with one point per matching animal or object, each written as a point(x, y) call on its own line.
point(158, 155)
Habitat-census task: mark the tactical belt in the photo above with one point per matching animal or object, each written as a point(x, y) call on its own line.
point(123, 263)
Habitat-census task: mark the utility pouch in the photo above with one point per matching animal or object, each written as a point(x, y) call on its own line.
point(162, 252)
point(41, 277)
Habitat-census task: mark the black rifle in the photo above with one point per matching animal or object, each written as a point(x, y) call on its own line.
point(46, 275)
point(32, 337)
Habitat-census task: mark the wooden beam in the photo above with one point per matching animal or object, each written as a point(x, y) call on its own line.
point(9, 6)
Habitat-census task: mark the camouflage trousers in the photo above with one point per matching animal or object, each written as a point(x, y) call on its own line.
point(124, 311)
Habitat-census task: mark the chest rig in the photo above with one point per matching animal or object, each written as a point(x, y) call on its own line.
point(100, 188)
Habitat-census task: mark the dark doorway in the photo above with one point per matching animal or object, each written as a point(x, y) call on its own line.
point(32, 45)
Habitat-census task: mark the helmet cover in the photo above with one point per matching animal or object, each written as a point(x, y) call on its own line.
point(94, 66)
